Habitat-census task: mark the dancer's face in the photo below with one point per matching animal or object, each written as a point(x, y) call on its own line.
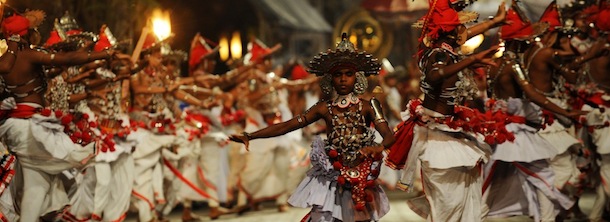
point(343, 80)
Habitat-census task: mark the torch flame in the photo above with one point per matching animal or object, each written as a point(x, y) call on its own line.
point(236, 49)
point(161, 24)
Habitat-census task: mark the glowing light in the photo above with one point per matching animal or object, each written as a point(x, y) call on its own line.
point(365, 44)
point(161, 24)
point(236, 49)
point(3, 47)
point(271, 75)
point(224, 48)
point(500, 51)
point(353, 38)
point(471, 44)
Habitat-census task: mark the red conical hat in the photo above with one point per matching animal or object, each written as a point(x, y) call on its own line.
point(74, 32)
point(520, 28)
point(298, 72)
point(551, 16)
point(106, 39)
point(54, 38)
point(201, 48)
point(149, 42)
point(259, 51)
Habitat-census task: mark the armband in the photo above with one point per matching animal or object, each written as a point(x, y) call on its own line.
point(248, 136)
point(520, 73)
point(14, 38)
point(377, 109)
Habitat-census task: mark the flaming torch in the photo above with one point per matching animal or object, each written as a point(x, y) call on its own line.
point(161, 24)
point(161, 28)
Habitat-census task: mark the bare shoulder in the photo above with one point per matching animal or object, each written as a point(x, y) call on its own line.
point(367, 107)
point(319, 107)
point(545, 53)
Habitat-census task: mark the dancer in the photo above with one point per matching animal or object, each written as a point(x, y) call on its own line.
point(521, 167)
point(450, 156)
point(345, 165)
point(31, 134)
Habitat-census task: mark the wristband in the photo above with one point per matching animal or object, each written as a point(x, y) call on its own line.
point(247, 135)
point(15, 38)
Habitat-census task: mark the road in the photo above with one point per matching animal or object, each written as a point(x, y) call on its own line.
point(399, 212)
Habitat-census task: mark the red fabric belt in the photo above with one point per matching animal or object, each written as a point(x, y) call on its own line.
point(21, 112)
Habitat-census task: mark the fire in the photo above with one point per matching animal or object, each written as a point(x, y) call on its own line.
point(224, 48)
point(236, 49)
point(161, 24)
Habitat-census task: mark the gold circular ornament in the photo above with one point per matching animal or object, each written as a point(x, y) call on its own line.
point(353, 173)
point(365, 32)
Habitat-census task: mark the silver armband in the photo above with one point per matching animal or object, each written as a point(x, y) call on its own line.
point(377, 109)
point(520, 72)
point(14, 38)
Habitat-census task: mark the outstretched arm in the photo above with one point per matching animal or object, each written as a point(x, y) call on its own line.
point(300, 121)
point(69, 58)
point(518, 75)
point(439, 70)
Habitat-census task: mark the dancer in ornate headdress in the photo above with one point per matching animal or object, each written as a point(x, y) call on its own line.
point(341, 185)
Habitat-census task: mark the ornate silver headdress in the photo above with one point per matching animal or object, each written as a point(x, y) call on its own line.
point(344, 54)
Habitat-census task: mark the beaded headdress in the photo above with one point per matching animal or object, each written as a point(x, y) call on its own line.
point(345, 54)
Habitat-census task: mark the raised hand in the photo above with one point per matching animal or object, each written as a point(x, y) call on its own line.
point(500, 17)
